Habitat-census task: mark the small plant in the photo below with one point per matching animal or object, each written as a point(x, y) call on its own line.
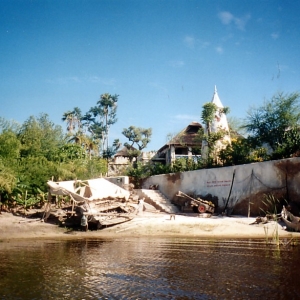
point(271, 212)
point(25, 201)
point(266, 229)
point(271, 204)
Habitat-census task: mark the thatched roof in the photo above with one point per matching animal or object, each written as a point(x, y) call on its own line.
point(123, 152)
point(187, 137)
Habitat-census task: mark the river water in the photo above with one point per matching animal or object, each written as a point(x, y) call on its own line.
point(148, 268)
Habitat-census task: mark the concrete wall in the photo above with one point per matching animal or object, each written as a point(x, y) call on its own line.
point(119, 180)
point(248, 183)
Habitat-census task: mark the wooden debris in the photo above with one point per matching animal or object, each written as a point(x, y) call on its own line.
point(117, 206)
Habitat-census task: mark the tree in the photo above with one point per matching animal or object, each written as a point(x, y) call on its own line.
point(208, 115)
point(77, 127)
point(34, 172)
point(9, 146)
point(7, 180)
point(39, 136)
point(9, 155)
point(210, 137)
point(139, 137)
point(101, 117)
point(6, 125)
point(67, 152)
point(112, 150)
point(241, 151)
point(291, 145)
point(36, 151)
point(269, 123)
point(236, 129)
point(83, 168)
point(73, 119)
point(86, 142)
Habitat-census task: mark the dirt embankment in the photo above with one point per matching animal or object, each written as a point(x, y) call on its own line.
point(146, 224)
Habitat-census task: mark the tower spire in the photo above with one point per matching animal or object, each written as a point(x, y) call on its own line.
point(216, 100)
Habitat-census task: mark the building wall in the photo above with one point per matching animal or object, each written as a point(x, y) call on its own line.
point(237, 184)
point(121, 160)
point(146, 156)
point(119, 180)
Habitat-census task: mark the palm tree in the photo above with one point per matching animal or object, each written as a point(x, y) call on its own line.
point(87, 143)
point(91, 146)
point(106, 112)
point(73, 119)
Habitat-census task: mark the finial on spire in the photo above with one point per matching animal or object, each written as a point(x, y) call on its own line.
point(215, 89)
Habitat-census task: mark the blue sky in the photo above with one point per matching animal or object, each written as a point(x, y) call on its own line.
point(162, 57)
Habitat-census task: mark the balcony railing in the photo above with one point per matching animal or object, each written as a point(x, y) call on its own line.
point(194, 157)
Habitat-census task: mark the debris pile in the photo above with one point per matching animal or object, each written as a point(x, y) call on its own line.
point(98, 201)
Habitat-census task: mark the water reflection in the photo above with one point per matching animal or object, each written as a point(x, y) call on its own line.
point(148, 268)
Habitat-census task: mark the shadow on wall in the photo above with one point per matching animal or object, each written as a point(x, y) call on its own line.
point(251, 184)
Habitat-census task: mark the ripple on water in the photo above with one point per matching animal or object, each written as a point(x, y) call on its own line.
point(148, 268)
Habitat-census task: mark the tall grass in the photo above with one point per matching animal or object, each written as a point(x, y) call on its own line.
point(271, 203)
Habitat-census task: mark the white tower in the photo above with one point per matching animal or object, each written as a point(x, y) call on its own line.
point(219, 122)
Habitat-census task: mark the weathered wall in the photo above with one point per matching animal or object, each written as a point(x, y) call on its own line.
point(251, 182)
point(119, 180)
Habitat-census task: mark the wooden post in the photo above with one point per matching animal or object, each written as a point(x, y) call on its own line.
point(233, 175)
point(25, 200)
point(249, 202)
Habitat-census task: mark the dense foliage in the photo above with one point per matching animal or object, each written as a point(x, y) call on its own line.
point(273, 132)
point(138, 140)
point(269, 123)
point(37, 151)
point(98, 121)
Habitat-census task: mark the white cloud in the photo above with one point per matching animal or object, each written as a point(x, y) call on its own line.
point(76, 79)
point(64, 80)
point(176, 63)
point(275, 36)
point(189, 41)
point(204, 44)
point(186, 117)
point(94, 79)
point(219, 49)
point(192, 42)
point(241, 22)
point(227, 37)
point(104, 81)
point(159, 87)
point(227, 18)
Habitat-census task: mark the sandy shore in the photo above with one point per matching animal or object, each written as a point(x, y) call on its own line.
point(147, 224)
